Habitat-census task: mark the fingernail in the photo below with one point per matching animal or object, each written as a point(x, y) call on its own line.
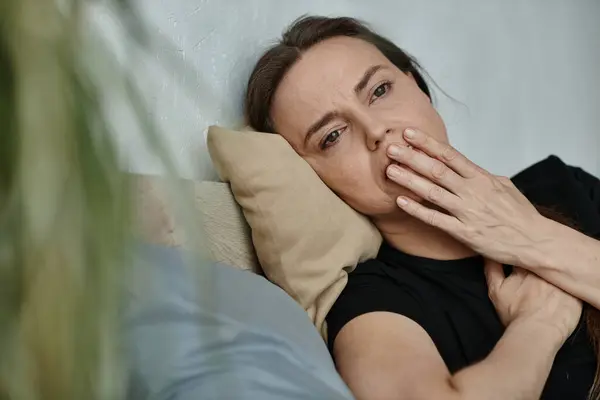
point(394, 150)
point(393, 172)
point(410, 133)
point(402, 202)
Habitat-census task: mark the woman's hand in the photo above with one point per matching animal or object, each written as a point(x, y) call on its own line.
point(523, 296)
point(484, 211)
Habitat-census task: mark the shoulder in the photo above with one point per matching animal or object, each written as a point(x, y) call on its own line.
point(382, 354)
point(372, 287)
point(553, 169)
point(566, 189)
point(550, 176)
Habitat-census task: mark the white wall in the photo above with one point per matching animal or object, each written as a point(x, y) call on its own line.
point(527, 72)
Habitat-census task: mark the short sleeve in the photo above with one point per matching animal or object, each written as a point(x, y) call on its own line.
point(371, 288)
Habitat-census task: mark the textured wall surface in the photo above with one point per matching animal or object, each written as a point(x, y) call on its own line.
point(526, 74)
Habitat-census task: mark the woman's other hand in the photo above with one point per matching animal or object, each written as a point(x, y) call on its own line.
point(484, 211)
point(523, 296)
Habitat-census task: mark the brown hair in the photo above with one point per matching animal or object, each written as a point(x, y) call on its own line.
point(299, 37)
point(310, 30)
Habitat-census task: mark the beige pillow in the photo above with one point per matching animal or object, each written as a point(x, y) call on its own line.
point(224, 229)
point(306, 238)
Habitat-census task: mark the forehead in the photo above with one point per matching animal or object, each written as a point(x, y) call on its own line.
point(324, 75)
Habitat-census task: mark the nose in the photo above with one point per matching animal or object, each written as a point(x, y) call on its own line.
point(375, 130)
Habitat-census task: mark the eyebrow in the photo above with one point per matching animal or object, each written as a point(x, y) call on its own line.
point(324, 120)
point(362, 84)
point(331, 115)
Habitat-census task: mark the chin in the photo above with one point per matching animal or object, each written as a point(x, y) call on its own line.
point(412, 196)
point(382, 202)
point(387, 206)
point(394, 191)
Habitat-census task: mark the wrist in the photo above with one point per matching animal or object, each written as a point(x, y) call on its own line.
point(546, 248)
point(538, 331)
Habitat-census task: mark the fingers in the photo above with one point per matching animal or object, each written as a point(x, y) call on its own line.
point(494, 275)
point(443, 152)
point(424, 188)
point(429, 167)
point(520, 272)
point(429, 216)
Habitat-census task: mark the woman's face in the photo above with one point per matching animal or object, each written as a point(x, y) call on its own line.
point(340, 107)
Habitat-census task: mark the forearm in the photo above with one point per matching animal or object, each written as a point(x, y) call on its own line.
point(569, 260)
point(516, 369)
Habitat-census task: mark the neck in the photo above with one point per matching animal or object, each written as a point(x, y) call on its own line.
point(417, 238)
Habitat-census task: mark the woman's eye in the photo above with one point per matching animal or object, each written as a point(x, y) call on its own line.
point(331, 138)
point(380, 91)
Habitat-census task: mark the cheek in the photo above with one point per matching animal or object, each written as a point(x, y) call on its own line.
point(432, 123)
point(414, 109)
point(345, 177)
point(353, 180)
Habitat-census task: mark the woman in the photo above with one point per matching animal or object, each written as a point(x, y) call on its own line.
point(417, 322)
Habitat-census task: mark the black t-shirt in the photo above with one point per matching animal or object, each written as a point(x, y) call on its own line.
point(449, 299)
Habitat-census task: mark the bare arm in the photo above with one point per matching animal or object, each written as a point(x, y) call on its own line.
point(387, 356)
point(569, 260)
point(383, 355)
